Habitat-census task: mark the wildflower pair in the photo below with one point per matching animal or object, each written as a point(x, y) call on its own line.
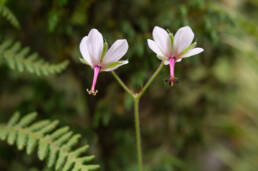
point(168, 48)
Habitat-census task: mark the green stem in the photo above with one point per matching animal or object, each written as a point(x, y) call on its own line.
point(138, 133)
point(154, 75)
point(136, 98)
point(122, 84)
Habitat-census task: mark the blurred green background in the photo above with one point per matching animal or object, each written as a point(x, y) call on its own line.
point(206, 122)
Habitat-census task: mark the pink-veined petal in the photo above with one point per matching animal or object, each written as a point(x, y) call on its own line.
point(183, 38)
point(84, 50)
point(161, 37)
point(116, 51)
point(192, 52)
point(154, 47)
point(117, 66)
point(95, 45)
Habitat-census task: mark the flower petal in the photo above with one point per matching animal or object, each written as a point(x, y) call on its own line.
point(116, 65)
point(84, 50)
point(183, 38)
point(116, 51)
point(192, 52)
point(179, 60)
point(154, 47)
point(166, 62)
point(95, 45)
point(161, 37)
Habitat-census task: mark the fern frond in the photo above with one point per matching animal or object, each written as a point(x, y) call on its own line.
point(18, 58)
point(55, 145)
point(6, 13)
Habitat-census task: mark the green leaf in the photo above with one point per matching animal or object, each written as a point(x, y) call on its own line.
point(9, 16)
point(60, 161)
point(55, 145)
point(42, 150)
point(25, 121)
point(14, 119)
point(3, 133)
point(72, 142)
point(59, 132)
point(11, 137)
point(67, 165)
point(31, 144)
point(52, 156)
point(22, 140)
point(19, 59)
point(64, 138)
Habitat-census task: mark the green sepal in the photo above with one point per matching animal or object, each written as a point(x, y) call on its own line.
point(114, 64)
point(105, 48)
point(188, 48)
point(162, 58)
point(84, 61)
point(171, 37)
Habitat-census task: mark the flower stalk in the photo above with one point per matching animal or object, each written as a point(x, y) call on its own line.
point(122, 84)
point(154, 75)
point(137, 97)
point(138, 133)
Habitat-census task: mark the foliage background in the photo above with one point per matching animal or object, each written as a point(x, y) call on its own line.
point(208, 121)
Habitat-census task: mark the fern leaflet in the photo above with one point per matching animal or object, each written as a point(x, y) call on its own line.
point(6, 13)
point(56, 145)
point(18, 58)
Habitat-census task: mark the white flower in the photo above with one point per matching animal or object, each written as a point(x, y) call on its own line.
point(173, 49)
point(96, 54)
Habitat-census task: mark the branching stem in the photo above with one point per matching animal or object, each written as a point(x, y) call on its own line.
point(137, 97)
point(122, 84)
point(154, 75)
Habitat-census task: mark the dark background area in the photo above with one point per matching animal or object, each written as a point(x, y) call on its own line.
point(206, 122)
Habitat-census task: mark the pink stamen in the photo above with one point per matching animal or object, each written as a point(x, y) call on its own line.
point(172, 61)
point(95, 78)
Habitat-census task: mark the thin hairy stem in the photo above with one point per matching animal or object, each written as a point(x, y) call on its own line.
point(122, 84)
point(154, 75)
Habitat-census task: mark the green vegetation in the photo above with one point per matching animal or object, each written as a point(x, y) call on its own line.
point(17, 58)
point(205, 122)
point(54, 145)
